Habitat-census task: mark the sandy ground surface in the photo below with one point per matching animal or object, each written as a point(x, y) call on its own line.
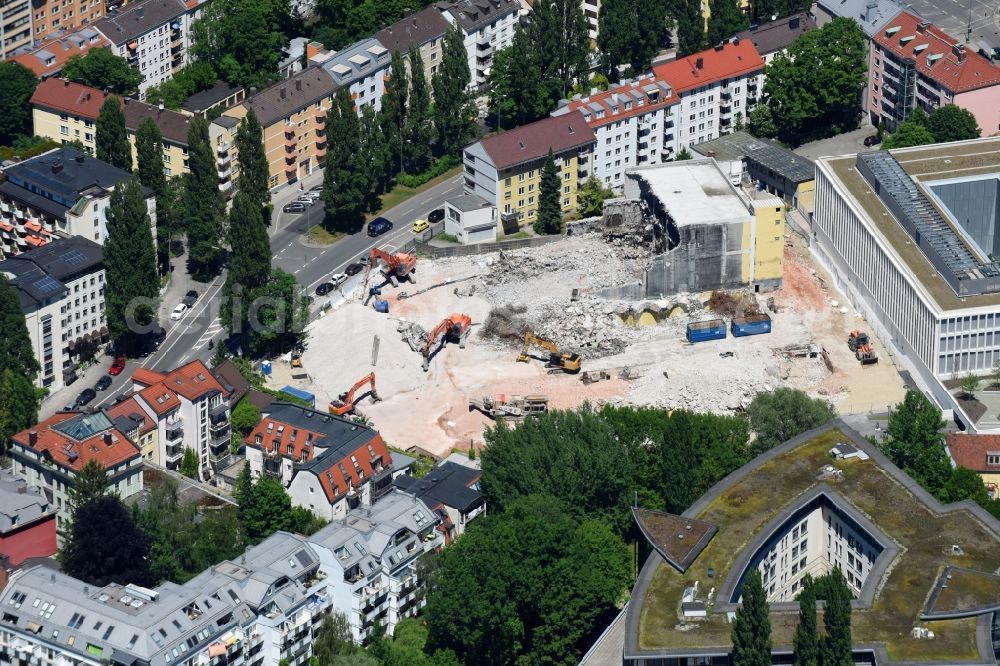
point(647, 365)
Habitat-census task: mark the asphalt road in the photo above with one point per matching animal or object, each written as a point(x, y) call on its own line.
point(953, 16)
point(188, 339)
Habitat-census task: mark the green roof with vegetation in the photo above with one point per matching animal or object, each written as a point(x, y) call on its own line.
point(925, 536)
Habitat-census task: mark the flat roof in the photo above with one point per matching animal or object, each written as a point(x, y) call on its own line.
point(693, 192)
point(921, 536)
point(964, 158)
point(770, 155)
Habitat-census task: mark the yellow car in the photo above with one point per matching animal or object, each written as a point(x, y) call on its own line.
point(421, 225)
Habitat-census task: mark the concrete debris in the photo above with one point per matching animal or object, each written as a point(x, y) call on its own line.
point(413, 334)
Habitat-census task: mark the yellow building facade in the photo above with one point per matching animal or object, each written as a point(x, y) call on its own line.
point(764, 242)
point(519, 187)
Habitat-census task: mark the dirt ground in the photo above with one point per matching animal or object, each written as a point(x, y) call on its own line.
point(656, 365)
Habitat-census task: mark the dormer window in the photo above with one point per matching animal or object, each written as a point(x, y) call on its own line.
point(993, 458)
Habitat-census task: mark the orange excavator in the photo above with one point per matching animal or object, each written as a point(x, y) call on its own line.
point(397, 267)
point(454, 329)
point(345, 404)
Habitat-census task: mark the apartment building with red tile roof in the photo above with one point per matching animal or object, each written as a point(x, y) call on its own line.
point(981, 454)
point(191, 410)
point(914, 63)
point(50, 454)
point(46, 58)
point(130, 417)
point(328, 464)
point(27, 522)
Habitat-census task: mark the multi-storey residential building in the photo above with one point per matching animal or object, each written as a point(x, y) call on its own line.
point(47, 58)
point(15, 26)
point(50, 454)
point(362, 68)
point(51, 16)
point(717, 88)
point(259, 611)
point(328, 464)
point(61, 289)
point(423, 31)
point(371, 558)
point(488, 26)
point(450, 490)
point(27, 521)
point(774, 37)
point(63, 192)
point(592, 12)
point(913, 63)
point(191, 410)
point(131, 418)
point(292, 113)
point(153, 35)
point(505, 169)
point(634, 124)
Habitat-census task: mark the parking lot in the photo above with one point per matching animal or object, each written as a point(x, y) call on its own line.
point(953, 16)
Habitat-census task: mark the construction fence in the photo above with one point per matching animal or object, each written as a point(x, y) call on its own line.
point(439, 252)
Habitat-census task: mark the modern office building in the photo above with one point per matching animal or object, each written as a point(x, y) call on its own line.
point(61, 289)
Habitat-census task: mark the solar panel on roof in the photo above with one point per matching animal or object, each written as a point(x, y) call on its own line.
point(47, 284)
point(73, 257)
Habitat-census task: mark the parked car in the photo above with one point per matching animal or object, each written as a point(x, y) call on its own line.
point(312, 195)
point(379, 226)
point(69, 377)
point(294, 207)
point(324, 288)
point(103, 383)
point(421, 225)
point(117, 366)
point(872, 140)
point(305, 200)
point(435, 215)
point(338, 279)
point(363, 260)
point(190, 298)
point(86, 395)
point(178, 312)
point(354, 269)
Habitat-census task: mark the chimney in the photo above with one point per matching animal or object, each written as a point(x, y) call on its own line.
point(32, 437)
point(793, 23)
point(870, 11)
point(298, 84)
point(959, 51)
point(57, 167)
point(407, 12)
point(922, 27)
point(282, 92)
point(699, 63)
point(22, 489)
point(107, 439)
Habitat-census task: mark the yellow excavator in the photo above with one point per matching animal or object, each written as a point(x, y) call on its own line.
point(564, 361)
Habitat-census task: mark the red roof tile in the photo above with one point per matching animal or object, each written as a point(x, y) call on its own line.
point(49, 56)
point(935, 55)
point(159, 399)
point(533, 141)
point(330, 476)
point(65, 96)
point(609, 100)
point(146, 377)
point(971, 450)
point(722, 62)
point(191, 381)
point(110, 447)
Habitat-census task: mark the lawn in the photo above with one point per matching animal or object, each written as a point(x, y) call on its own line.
point(401, 193)
point(926, 541)
point(318, 234)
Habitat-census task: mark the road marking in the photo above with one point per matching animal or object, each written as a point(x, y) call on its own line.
point(205, 303)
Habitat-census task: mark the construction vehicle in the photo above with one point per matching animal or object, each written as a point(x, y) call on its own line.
point(513, 408)
point(395, 267)
point(857, 339)
point(296, 361)
point(454, 329)
point(346, 401)
point(564, 361)
point(859, 343)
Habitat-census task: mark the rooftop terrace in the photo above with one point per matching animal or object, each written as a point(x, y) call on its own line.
point(924, 532)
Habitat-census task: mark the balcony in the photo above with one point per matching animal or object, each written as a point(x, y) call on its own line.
point(290, 140)
point(320, 116)
point(725, 109)
point(725, 97)
point(174, 452)
point(484, 50)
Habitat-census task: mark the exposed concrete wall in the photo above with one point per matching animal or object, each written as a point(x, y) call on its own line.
point(706, 257)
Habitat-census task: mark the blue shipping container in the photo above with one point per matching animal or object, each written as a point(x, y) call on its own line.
point(300, 394)
point(702, 331)
point(752, 325)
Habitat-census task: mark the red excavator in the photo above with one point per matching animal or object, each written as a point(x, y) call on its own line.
point(451, 329)
point(345, 404)
point(397, 267)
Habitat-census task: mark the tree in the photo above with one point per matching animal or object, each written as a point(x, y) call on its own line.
point(516, 95)
point(133, 284)
point(253, 162)
point(837, 647)
point(559, 41)
point(909, 133)
point(149, 155)
point(393, 116)
point(269, 510)
point(969, 385)
point(690, 26)
point(965, 484)
point(243, 41)
point(16, 352)
point(249, 263)
point(760, 122)
point(914, 442)
point(105, 545)
point(344, 192)
point(243, 491)
point(100, 68)
point(725, 20)
point(527, 585)
point(91, 483)
point(618, 34)
point(278, 316)
point(376, 158)
point(777, 416)
point(333, 639)
point(453, 108)
point(952, 123)
point(111, 137)
point(204, 207)
point(591, 196)
point(18, 403)
point(684, 155)
point(549, 219)
point(189, 464)
point(245, 416)
point(17, 85)
point(192, 78)
point(805, 644)
point(812, 91)
point(751, 634)
point(419, 123)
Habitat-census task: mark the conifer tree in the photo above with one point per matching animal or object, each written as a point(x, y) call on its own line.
point(419, 127)
point(751, 634)
point(549, 218)
point(837, 643)
point(805, 644)
point(149, 156)
point(393, 115)
point(253, 160)
point(18, 367)
point(111, 137)
point(344, 178)
point(249, 262)
point(453, 110)
point(204, 207)
point(106, 546)
point(133, 285)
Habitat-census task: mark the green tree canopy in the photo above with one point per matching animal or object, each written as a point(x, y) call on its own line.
point(454, 112)
point(630, 33)
point(18, 404)
point(92, 482)
point(837, 646)
point(17, 85)
point(965, 484)
point(105, 545)
point(805, 644)
point(249, 264)
point(133, 284)
point(725, 20)
point(268, 511)
point(16, 353)
point(909, 133)
point(100, 68)
point(189, 464)
point(516, 94)
point(419, 122)
point(203, 204)
point(549, 219)
point(344, 182)
point(914, 441)
point(253, 161)
point(751, 633)
point(243, 40)
point(278, 318)
point(777, 416)
point(952, 123)
point(690, 25)
point(393, 115)
point(149, 155)
point(760, 122)
point(590, 197)
point(111, 137)
point(192, 78)
point(245, 416)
